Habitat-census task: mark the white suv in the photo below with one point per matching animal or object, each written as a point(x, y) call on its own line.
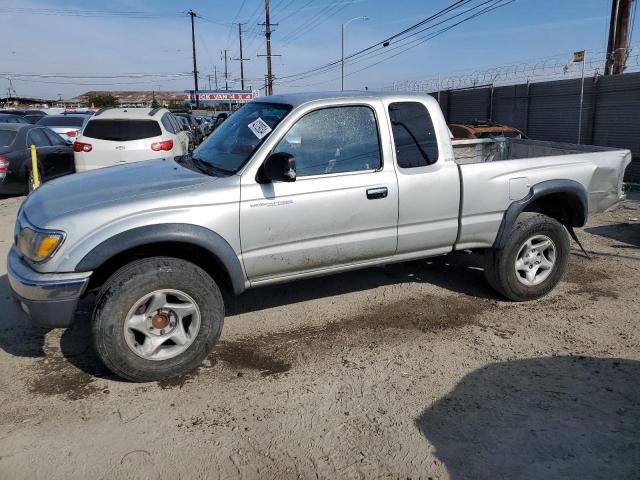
point(124, 135)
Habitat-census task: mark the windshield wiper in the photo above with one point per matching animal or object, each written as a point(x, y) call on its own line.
point(209, 168)
point(202, 166)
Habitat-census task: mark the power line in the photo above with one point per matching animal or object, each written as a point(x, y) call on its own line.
point(315, 20)
point(414, 43)
point(386, 41)
point(95, 75)
point(234, 21)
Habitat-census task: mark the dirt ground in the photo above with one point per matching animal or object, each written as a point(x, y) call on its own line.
point(414, 370)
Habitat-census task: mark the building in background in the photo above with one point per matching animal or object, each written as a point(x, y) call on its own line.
point(131, 98)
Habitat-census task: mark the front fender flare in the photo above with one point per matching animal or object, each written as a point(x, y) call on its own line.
point(167, 233)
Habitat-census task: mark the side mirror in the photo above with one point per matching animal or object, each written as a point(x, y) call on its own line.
point(279, 167)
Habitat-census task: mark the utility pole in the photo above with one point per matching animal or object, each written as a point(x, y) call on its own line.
point(618, 44)
point(215, 75)
point(193, 15)
point(267, 33)
point(267, 22)
point(241, 59)
point(226, 72)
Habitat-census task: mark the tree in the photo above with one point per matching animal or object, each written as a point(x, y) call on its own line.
point(102, 100)
point(154, 102)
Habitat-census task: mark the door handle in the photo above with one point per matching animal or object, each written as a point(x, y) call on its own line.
point(375, 193)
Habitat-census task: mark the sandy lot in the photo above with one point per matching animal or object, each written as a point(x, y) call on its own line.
point(413, 371)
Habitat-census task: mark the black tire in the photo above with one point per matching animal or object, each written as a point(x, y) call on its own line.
point(131, 283)
point(500, 264)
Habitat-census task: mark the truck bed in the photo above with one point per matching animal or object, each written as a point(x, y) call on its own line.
point(496, 172)
point(492, 150)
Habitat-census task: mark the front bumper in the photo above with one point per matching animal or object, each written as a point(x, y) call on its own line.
point(50, 299)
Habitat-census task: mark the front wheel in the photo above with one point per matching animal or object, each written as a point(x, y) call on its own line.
point(157, 318)
point(533, 260)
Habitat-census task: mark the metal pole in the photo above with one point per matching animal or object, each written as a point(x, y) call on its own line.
point(267, 21)
point(192, 14)
point(226, 73)
point(342, 43)
point(241, 57)
point(215, 75)
point(584, 60)
point(344, 25)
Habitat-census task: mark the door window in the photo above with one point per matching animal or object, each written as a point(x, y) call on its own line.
point(168, 125)
point(334, 140)
point(54, 138)
point(38, 138)
point(413, 134)
point(174, 123)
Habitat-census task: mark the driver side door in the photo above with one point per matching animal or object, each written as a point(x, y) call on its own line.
point(342, 209)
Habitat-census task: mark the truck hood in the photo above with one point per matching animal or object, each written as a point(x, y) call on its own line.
point(84, 191)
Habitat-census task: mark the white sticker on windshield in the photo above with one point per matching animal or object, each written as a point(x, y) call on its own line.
point(259, 128)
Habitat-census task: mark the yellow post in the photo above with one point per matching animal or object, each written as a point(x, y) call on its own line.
point(34, 167)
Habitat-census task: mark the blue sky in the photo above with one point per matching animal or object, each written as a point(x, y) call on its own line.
point(38, 39)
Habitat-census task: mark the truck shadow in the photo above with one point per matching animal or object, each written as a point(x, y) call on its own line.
point(18, 336)
point(458, 273)
point(628, 233)
point(552, 417)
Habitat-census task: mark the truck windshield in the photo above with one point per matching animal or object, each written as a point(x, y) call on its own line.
point(231, 145)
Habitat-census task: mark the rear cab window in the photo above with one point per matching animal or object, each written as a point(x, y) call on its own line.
point(125, 130)
point(414, 135)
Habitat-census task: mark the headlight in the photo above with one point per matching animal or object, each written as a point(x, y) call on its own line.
point(38, 245)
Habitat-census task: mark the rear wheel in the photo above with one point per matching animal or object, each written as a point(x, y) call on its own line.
point(533, 260)
point(157, 318)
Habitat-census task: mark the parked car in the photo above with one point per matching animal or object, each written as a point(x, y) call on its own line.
point(66, 125)
point(209, 122)
point(483, 129)
point(125, 135)
point(205, 125)
point(221, 117)
point(32, 116)
point(9, 118)
point(291, 187)
point(55, 156)
point(184, 125)
point(193, 126)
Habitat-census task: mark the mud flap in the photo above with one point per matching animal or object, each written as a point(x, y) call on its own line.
point(575, 237)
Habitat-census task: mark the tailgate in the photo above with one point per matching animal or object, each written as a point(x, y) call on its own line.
point(605, 187)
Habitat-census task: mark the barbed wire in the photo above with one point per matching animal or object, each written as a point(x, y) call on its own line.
point(550, 68)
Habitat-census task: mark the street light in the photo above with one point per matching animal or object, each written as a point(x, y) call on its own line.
point(344, 25)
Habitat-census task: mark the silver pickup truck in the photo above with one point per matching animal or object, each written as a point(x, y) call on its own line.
point(291, 187)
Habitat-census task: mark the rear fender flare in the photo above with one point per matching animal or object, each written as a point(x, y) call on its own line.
point(537, 191)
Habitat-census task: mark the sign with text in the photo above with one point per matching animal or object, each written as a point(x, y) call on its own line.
point(217, 96)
